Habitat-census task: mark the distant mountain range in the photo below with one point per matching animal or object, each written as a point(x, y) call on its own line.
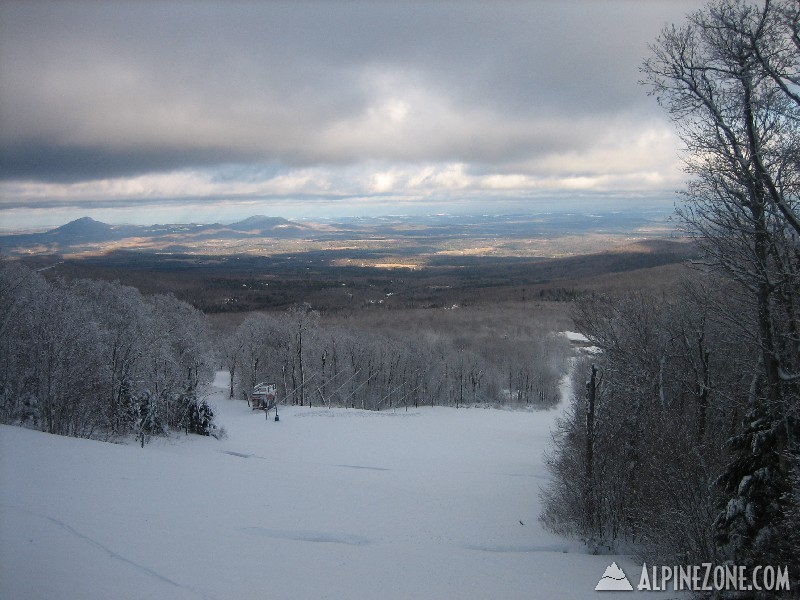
point(86, 231)
point(88, 236)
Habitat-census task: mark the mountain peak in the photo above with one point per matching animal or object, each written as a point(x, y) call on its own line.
point(84, 228)
point(258, 222)
point(84, 224)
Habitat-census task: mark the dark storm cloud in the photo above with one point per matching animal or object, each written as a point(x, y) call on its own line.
point(95, 90)
point(70, 164)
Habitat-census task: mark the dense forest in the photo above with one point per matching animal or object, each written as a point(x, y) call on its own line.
point(684, 440)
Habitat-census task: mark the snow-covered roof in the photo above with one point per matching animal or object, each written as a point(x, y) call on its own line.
point(574, 336)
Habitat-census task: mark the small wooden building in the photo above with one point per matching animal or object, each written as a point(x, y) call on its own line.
point(263, 396)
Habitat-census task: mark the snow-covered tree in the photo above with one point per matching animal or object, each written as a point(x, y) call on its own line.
point(97, 359)
point(729, 77)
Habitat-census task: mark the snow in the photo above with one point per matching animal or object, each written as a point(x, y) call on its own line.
point(325, 503)
point(579, 338)
point(574, 336)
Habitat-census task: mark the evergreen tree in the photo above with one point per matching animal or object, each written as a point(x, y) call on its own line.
point(201, 418)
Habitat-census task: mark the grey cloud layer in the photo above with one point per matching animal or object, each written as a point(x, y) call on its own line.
point(100, 89)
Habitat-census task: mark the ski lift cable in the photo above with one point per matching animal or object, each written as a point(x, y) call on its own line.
point(345, 382)
point(401, 385)
point(362, 385)
point(301, 385)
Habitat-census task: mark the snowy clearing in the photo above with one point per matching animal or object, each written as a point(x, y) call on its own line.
point(574, 336)
point(325, 503)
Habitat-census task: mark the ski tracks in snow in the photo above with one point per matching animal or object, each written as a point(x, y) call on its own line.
point(113, 554)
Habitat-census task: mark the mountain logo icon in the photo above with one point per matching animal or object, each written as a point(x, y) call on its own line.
point(613, 580)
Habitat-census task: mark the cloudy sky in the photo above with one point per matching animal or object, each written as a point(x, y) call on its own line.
point(201, 111)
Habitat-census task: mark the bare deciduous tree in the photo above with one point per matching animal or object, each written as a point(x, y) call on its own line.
point(727, 358)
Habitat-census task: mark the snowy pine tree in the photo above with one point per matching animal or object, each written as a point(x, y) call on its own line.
point(749, 524)
point(200, 418)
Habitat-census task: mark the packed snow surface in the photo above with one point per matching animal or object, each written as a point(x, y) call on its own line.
point(325, 503)
point(574, 336)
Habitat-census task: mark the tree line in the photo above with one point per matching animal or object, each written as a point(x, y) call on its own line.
point(99, 359)
point(684, 436)
point(317, 363)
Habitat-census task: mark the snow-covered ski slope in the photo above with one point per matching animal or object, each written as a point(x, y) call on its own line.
point(326, 503)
